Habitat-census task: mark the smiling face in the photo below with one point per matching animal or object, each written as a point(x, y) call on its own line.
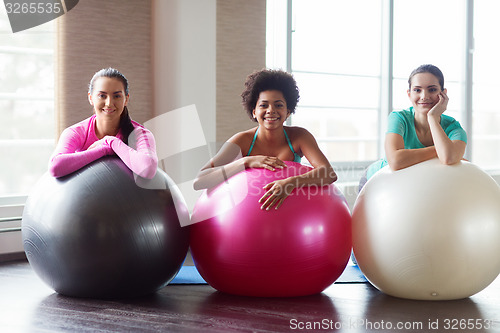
point(271, 110)
point(424, 91)
point(108, 99)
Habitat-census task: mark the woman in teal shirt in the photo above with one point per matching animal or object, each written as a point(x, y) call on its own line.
point(422, 132)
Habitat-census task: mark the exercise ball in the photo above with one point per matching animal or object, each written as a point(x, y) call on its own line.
point(430, 231)
point(299, 249)
point(96, 233)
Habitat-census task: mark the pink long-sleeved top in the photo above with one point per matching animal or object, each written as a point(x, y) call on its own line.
point(72, 151)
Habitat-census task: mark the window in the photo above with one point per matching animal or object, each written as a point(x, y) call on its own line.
point(440, 43)
point(339, 86)
point(486, 78)
point(27, 118)
point(26, 104)
point(352, 60)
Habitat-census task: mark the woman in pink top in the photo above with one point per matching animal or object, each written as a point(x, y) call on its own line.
point(108, 131)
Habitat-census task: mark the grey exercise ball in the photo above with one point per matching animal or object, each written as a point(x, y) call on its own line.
point(96, 233)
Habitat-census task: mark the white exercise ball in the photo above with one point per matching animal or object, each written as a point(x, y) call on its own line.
point(429, 231)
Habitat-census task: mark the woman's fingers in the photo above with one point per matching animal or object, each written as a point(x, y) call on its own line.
point(272, 163)
point(440, 106)
point(270, 191)
point(276, 193)
point(266, 162)
point(280, 201)
point(269, 203)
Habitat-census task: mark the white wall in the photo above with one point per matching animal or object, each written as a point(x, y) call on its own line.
point(184, 65)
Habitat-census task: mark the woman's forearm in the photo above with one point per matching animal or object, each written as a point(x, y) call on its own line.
point(320, 176)
point(210, 177)
point(62, 164)
point(142, 161)
point(447, 152)
point(404, 158)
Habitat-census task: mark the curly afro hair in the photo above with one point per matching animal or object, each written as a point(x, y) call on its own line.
point(269, 79)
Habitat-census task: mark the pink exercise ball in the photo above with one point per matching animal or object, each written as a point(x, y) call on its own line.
point(299, 249)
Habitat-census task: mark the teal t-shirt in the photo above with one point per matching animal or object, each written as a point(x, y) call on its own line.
point(403, 123)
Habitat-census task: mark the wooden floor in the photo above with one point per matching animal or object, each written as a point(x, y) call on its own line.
point(27, 305)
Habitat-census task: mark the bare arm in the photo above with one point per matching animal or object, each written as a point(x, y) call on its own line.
point(399, 158)
point(225, 164)
point(448, 151)
point(322, 174)
point(229, 161)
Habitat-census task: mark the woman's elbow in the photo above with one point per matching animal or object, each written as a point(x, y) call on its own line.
point(201, 182)
point(395, 164)
point(149, 173)
point(203, 179)
point(453, 154)
point(449, 160)
point(333, 176)
point(55, 170)
point(329, 176)
point(150, 170)
point(198, 184)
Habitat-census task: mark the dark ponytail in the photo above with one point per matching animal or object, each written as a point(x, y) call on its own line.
point(125, 125)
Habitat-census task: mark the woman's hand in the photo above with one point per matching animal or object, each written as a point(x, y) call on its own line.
point(104, 142)
point(264, 162)
point(277, 192)
point(440, 107)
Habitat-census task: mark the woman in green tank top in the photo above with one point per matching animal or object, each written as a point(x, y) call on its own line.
point(269, 99)
point(423, 131)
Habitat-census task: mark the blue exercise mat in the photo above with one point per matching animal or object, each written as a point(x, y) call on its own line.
point(190, 275)
point(352, 274)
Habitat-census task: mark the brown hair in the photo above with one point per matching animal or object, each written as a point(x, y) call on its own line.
point(427, 68)
point(125, 125)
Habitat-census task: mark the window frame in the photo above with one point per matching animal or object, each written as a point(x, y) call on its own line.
point(387, 72)
point(12, 205)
